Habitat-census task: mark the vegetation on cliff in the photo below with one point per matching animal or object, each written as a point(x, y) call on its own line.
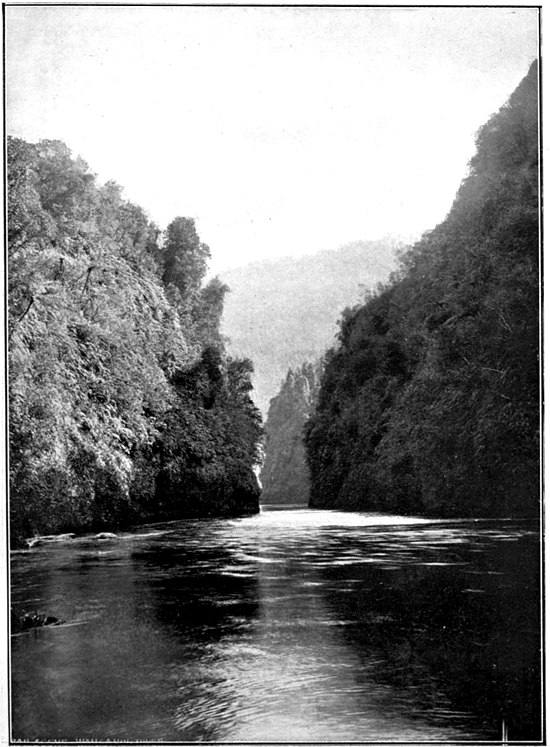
point(430, 403)
point(124, 405)
point(285, 475)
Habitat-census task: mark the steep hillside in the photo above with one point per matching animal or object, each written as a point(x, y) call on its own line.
point(285, 476)
point(284, 312)
point(124, 405)
point(431, 402)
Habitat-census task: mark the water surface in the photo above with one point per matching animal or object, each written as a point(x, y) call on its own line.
point(293, 625)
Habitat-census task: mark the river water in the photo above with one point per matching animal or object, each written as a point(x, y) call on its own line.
point(292, 625)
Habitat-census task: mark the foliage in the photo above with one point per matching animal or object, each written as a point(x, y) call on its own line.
point(185, 258)
point(430, 404)
point(97, 348)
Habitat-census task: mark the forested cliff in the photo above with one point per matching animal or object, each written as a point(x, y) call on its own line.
point(124, 405)
point(285, 476)
point(430, 403)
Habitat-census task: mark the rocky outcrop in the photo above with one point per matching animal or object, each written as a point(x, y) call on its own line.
point(47, 539)
point(285, 476)
point(29, 620)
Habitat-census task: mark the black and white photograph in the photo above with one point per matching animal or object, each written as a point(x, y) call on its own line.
point(273, 393)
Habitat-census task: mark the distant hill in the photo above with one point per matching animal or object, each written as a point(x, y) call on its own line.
point(283, 312)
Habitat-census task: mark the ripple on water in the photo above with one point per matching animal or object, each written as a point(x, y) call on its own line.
point(285, 626)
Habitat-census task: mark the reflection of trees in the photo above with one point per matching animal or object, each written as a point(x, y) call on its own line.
point(193, 597)
point(201, 595)
point(141, 662)
point(69, 683)
point(466, 635)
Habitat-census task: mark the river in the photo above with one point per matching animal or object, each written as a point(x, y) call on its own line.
point(292, 625)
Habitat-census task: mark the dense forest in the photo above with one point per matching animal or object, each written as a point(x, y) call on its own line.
point(430, 402)
point(285, 311)
point(124, 404)
point(284, 475)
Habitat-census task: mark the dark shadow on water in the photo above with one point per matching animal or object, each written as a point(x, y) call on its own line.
point(456, 622)
point(193, 599)
point(138, 658)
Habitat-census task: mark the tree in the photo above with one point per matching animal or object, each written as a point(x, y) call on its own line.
point(185, 257)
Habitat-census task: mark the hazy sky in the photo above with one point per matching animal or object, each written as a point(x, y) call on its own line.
point(280, 130)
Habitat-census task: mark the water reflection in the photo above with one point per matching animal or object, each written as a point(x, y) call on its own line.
point(287, 626)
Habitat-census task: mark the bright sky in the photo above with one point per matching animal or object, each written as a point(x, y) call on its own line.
point(280, 130)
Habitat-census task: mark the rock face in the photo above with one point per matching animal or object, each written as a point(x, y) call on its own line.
point(285, 476)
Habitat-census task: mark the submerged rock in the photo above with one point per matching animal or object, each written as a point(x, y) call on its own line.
point(29, 620)
point(105, 536)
